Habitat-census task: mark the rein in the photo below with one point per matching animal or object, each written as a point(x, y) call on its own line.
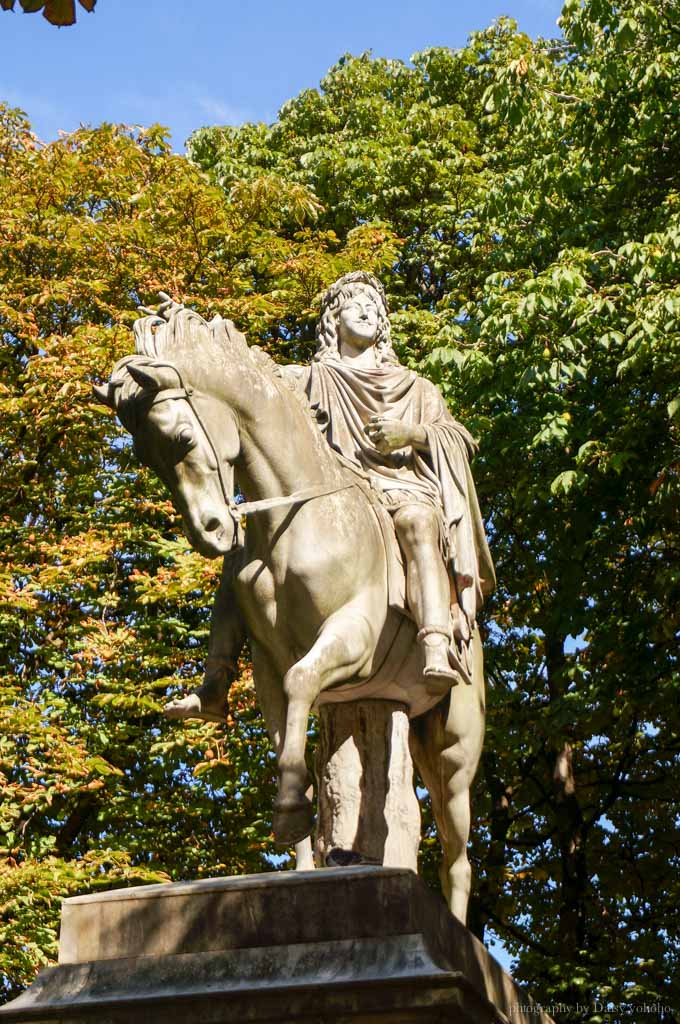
point(241, 511)
point(248, 508)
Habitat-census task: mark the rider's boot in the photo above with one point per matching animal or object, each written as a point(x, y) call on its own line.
point(437, 672)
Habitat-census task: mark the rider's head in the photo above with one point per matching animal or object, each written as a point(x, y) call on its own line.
point(344, 290)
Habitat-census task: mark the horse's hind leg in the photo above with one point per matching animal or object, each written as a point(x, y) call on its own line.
point(341, 649)
point(446, 744)
point(227, 636)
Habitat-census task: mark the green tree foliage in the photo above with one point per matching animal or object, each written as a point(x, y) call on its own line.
point(57, 12)
point(534, 190)
point(520, 199)
point(103, 609)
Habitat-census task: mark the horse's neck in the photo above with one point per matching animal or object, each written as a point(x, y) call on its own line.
point(283, 450)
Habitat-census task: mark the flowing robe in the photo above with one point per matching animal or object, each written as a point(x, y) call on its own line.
point(344, 399)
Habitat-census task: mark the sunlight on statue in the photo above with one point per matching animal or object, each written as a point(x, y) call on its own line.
point(364, 561)
point(394, 426)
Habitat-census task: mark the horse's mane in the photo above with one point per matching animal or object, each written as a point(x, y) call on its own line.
point(186, 335)
point(178, 342)
point(166, 352)
point(276, 371)
point(264, 361)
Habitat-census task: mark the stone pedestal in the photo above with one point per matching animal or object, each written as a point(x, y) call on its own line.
point(367, 807)
point(362, 945)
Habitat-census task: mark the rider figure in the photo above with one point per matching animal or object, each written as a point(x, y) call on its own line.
point(394, 426)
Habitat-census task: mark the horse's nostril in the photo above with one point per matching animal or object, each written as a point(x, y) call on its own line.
point(211, 524)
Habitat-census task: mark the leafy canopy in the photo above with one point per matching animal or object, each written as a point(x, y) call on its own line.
point(57, 12)
point(520, 200)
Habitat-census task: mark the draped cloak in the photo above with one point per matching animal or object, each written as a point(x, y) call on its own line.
point(345, 397)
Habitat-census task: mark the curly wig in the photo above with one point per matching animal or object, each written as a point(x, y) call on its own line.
point(327, 330)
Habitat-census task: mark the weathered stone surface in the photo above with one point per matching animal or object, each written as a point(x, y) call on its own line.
point(366, 801)
point(364, 563)
point(359, 944)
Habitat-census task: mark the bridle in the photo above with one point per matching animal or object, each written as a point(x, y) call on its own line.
point(239, 510)
point(187, 393)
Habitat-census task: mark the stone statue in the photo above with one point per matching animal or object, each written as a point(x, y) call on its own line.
point(394, 427)
point(332, 459)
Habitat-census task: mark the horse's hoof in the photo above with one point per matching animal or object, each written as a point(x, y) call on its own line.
point(191, 706)
point(293, 824)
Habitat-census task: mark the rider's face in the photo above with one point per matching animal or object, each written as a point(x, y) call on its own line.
point(358, 322)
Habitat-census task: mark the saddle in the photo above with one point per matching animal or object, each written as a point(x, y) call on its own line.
point(394, 559)
point(459, 651)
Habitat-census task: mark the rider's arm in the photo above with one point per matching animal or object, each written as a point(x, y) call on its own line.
point(419, 440)
point(294, 375)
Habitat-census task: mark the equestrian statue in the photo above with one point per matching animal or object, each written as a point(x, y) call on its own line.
point(363, 563)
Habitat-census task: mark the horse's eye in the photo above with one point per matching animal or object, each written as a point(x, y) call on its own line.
point(185, 439)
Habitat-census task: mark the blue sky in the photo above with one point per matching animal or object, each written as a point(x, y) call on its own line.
point(218, 61)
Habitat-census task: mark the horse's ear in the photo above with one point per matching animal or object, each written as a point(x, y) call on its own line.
point(154, 378)
point(107, 394)
point(102, 395)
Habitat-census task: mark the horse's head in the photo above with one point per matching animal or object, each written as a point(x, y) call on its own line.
point(187, 436)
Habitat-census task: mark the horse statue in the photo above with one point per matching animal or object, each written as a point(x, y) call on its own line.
point(206, 412)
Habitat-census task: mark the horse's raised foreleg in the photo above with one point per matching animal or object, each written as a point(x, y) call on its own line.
point(341, 649)
point(272, 702)
point(446, 744)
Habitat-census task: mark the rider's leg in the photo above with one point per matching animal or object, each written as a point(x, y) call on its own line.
point(427, 587)
point(227, 636)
